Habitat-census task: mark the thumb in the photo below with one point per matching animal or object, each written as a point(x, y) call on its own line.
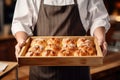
point(21, 44)
point(17, 51)
point(100, 42)
point(103, 46)
point(18, 48)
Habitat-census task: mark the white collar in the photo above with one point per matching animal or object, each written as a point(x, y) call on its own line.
point(59, 2)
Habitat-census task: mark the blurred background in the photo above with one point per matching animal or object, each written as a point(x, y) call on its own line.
point(7, 41)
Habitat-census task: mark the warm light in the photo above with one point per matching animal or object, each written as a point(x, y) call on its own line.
point(117, 18)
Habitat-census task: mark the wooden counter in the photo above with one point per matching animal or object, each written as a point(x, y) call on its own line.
point(5, 37)
point(110, 70)
point(11, 66)
point(7, 48)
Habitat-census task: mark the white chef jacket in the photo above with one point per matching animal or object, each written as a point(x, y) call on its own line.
point(93, 14)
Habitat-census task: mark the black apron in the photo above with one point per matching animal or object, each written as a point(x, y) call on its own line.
point(59, 21)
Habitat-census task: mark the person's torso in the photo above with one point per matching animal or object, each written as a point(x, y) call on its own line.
point(82, 5)
point(59, 20)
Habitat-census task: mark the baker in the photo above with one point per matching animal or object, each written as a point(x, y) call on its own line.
point(60, 18)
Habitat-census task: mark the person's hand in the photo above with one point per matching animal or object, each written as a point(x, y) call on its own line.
point(21, 38)
point(18, 48)
point(100, 35)
point(103, 44)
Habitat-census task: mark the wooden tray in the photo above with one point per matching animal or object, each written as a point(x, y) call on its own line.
point(60, 61)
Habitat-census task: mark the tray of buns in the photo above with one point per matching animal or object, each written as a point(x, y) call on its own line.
point(61, 51)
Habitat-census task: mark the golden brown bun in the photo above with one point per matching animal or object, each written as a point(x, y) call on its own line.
point(34, 41)
point(81, 42)
point(56, 41)
point(91, 51)
point(52, 47)
point(48, 53)
point(88, 49)
point(37, 52)
point(80, 53)
point(65, 53)
point(84, 42)
point(62, 47)
point(76, 53)
point(38, 42)
point(69, 44)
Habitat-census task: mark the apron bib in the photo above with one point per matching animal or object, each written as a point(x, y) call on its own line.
point(59, 21)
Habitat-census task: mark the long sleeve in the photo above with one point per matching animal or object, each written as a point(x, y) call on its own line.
point(25, 16)
point(98, 15)
point(92, 12)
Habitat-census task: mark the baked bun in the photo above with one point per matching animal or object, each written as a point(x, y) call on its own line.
point(89, 42)
point(33, 42)
point(64, 53)
point(34, 51)
point(56, 41)
point(62, 47)
point(91, 51)
point(48, 53)
point(81, 42)
point(69, 44)
point(84, 42)
point(52, 47)
point(39, 42)
point(80, 53)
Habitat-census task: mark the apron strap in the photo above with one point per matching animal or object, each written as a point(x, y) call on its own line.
point(75, 1)
point(42, 1)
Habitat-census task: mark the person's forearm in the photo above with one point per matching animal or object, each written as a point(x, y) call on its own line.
point(100, 32)
point(21, 36)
